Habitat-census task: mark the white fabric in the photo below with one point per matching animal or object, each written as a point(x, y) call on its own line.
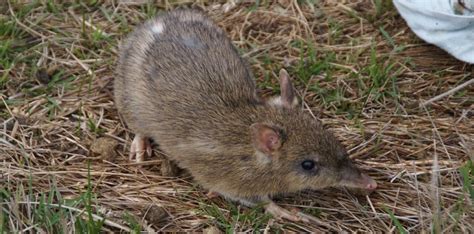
point(435, 22)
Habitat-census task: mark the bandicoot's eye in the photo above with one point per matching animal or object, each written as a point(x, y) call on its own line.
point(308, 165)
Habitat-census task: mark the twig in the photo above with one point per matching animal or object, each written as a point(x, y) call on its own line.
point(81, 20)
point(318, 221)
point(83, 65)
point(94, 216)
point(457, 88)
point(24, 26)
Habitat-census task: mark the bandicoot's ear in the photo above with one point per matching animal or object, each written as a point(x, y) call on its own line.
point(265, 138)
point(287, 98)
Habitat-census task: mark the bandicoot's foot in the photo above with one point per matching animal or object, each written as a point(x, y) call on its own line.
point(140, 146)
point(281, 213)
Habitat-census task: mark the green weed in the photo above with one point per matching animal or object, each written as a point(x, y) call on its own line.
point(52, 106)
point(150, 10)
point(46, 212)
point(391, 41)
point(237, 219)
point(310, 65)
point(382, 76)
point(313, 211)
point(53, 7)
point(335, 31)
point(461, 206)
point(382, 6)
point(132, 222)
point(93, 127)
point(467, 172)
point(395, 221)
point(93, 226)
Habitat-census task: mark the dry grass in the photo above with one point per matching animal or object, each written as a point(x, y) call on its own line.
point(356, 65)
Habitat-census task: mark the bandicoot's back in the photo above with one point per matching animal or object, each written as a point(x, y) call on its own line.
point(183, 61)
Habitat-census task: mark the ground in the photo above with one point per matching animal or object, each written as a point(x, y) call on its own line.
point(356, 66)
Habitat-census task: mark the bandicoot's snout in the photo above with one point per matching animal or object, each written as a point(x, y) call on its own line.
point(368, 182)
point(355, 179)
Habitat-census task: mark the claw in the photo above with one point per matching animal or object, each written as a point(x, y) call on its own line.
point(148, 149)
point(140, 146)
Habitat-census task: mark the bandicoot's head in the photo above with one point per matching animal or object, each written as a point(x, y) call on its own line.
point(294, 145)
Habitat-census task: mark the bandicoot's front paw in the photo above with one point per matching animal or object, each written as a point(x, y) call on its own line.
point(140, 146)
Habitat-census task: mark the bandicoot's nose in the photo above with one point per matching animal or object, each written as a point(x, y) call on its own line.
point(370, 183)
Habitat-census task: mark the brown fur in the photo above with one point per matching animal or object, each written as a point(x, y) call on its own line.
point(188, 89)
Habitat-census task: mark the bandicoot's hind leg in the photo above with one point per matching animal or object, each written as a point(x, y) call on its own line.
point(281, 213)
point(169, 168)
point(140, 146)
point(271, 207)
point(275, 210)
